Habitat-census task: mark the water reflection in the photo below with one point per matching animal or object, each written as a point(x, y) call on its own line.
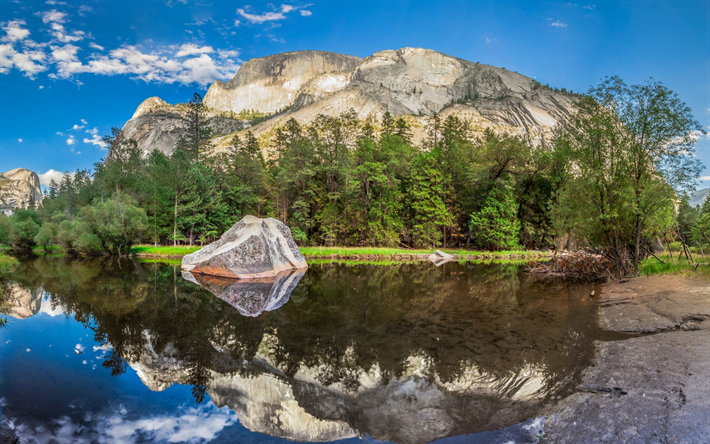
point(407, 353)
point(253, 296)
point(20, 302)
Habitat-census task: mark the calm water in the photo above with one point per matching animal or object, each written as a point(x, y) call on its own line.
point(109, 351)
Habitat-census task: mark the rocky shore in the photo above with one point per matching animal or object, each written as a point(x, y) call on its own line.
point(653, 387)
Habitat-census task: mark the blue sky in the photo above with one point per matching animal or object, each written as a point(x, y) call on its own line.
point(71, 70)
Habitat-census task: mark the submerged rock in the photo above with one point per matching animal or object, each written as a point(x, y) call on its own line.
point(439, 257)
point(253, 248)
point(250, 297)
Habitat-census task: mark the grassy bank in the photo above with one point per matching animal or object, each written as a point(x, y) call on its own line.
point(168, 251)
point(351, 253)
point(673, 265)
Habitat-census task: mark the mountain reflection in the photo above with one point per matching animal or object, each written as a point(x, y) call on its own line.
point(408, 353)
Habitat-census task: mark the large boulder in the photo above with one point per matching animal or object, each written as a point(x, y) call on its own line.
point(253, 296)
point(253, 248)
point(440, 258)
point(656, 246)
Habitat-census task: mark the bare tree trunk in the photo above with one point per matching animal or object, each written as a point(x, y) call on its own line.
point(637, 244)
point(701, 250)
point(685, 247)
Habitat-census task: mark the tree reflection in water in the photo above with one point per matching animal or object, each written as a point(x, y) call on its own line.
point(387, 351)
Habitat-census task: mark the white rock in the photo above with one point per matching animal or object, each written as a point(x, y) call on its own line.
point(439, 257)
point(252, 248)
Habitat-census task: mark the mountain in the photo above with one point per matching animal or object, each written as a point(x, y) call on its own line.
point(412, 82)
point(18, 189)
point(699, 197)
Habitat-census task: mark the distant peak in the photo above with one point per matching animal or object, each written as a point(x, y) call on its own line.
point(149, 105)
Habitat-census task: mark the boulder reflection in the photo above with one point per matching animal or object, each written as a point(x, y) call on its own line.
point(250, 296)
point(408, 353)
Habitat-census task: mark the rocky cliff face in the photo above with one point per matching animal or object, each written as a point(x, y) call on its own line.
point(18, 189)
point(157, 125)
point(410, 81)
point(269, 84)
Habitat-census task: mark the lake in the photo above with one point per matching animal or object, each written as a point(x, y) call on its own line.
point(102, 350)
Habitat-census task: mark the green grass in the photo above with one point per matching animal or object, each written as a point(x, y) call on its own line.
point(332, 252)
point(673, 265)
point(7, 263)
point(160, 260)
point(149, 250)
point(372, 251)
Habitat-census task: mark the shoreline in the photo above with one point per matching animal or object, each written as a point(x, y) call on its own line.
point(652, 387)
point(368, 254)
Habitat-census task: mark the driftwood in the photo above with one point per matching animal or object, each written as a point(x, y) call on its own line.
point(579, 266)
point(651, 253)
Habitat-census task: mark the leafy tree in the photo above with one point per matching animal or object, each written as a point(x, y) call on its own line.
point(495, 226)
point(197, 134)
point(427, 214)
point(657, 132)
point(630, 151)
point(117, 223)
point(24, 227)
point(46, 235)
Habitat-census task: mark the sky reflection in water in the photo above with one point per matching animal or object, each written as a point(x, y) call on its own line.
point(410, 353)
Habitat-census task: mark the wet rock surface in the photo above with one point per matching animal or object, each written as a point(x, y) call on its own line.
point(652, 388)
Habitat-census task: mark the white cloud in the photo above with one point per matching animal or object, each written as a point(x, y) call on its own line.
point(46, 178)
point(84, 121)
point(62, 56)
point(54, 2)
point(192, 49)
point(187, 424)
point(590, 7)
point(228, 54)
point(52, 16)
point(41, 86)
point(95, 139)
point(256, 18)
point(46, 306)
point(306, 13)
point(76, 127)
point(489, 40)
point(558, 24)
point(270, 16)
point(27, 62)
point(84, 9)
point(71, 141)
point(704, 177)
point(56, 20)
point(14, 31)
point(20, 140)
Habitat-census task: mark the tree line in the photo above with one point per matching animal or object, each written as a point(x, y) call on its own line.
point(610, 177)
